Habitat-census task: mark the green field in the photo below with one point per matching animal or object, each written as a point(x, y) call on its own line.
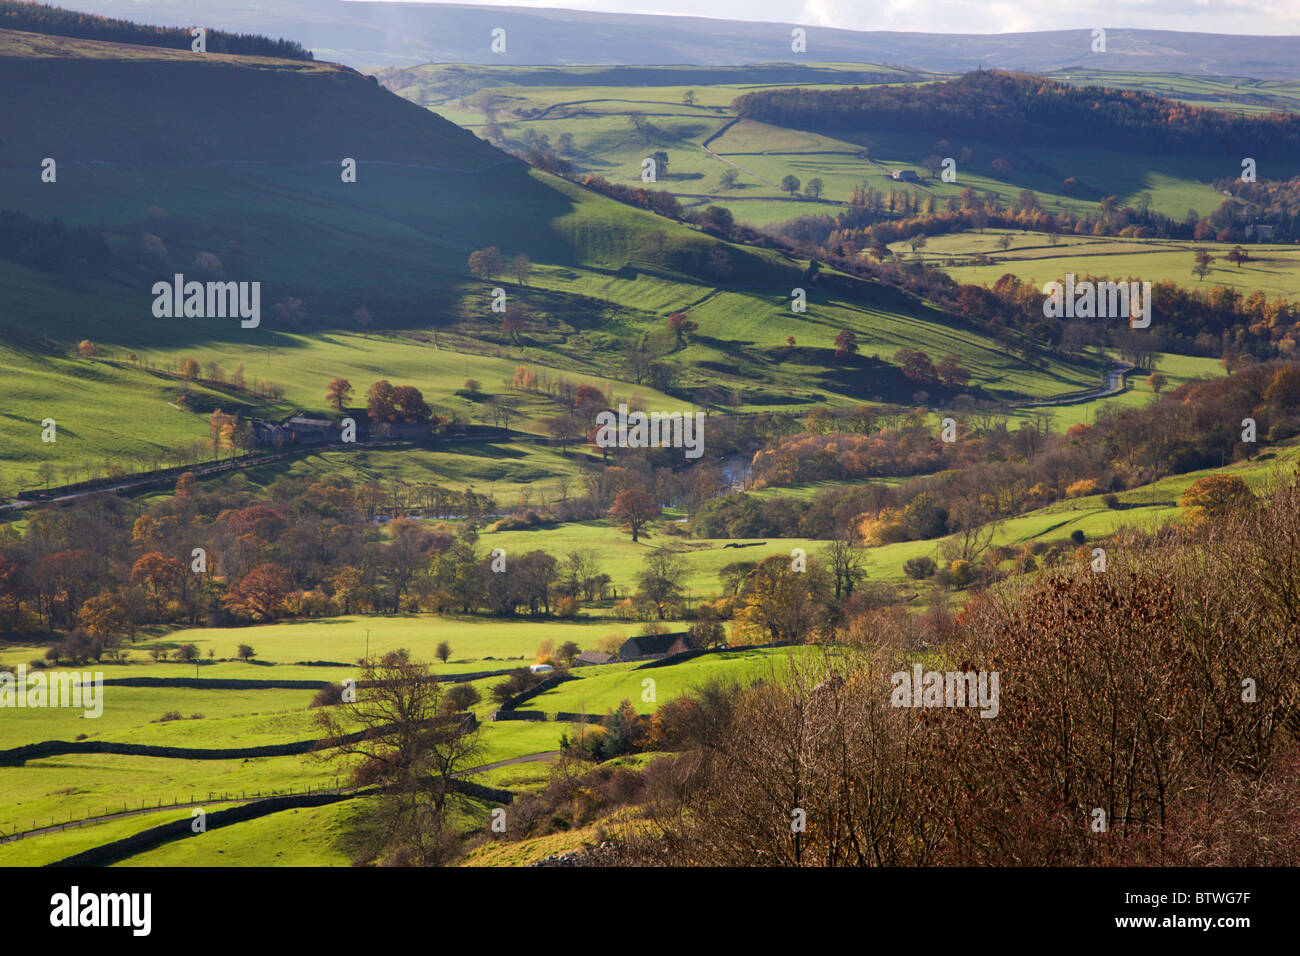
point(1273, 269)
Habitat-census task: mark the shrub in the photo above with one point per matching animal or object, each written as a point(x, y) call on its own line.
point(1111, 500)
point(460, 697)
point(327, 696)
point(919, 568)
point(961, 573)
point(1081, 488)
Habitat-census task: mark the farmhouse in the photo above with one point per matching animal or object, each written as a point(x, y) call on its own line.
point(591, 658)
point(1257, 230)
point(649, 646)
point(905, 176)
point(298, 429)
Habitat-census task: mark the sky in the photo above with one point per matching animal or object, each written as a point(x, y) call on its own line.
point(1261, 17)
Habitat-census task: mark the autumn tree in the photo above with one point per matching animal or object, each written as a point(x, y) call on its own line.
point(681, 327)
point(1201, 266)
point(261, 594)
point(379, 401)
point(1214, 496)
point(411, 749)
point(159, 575)
point(338, 392)
point(846, 344)
point(486, 263)
point(780, 603)
point(106, 616)
point(633, 509)
point(916, 366)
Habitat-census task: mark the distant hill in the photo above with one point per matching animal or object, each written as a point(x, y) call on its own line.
point(59, 21)
point(368, 35)
point(1024, 110)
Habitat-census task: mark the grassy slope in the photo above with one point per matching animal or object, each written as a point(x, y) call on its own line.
point(266, 197)
point(1274, 268)
point(596, 115)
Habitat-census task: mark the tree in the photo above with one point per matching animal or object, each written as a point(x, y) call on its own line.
point(707, 633)
point(564, 428)
point(523, 268)
point(159, 575)
point(681, 327)
point(815, 187)
point(567, 651)
point(688, 98)
point(780, 604)
point(729, 177)
point(919, 568)
point(106, 616)
point(1214, 496)
point(916, 366)
point(189, 653)
point(379, 401)
point(409, 405)
point(1202, 265)
point(486, 263)
point(443, 652)
point(86, 349)
point(411, 749)
point(846, 344)
point(338, 392)
point(633, 509)
point(790, 184)
point(514, 320)
point(845, 563)
point(917, 241)
point(718, 218)
point(660, 581)
point(245, 652)
point(261, 594)
point(951, 373)
point(460, 697)
point(1156, 382)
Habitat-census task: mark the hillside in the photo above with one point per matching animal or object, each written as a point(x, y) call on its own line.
point(370, 35)
point(198, 183)
point(1025, 110)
